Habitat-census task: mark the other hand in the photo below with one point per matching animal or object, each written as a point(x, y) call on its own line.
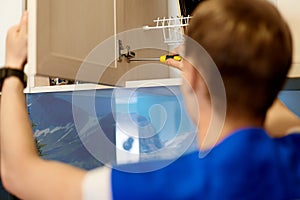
point(16, 44)
point(177, 64)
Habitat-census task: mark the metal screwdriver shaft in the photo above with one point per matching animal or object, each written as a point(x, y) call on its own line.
point(161, 58)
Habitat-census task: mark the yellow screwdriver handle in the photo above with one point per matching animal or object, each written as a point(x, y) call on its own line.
point(164, 58)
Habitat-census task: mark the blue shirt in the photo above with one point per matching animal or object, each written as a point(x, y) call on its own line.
point(246, 165)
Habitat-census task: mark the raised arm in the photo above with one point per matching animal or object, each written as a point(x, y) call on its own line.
point(24, 173)
point(281, 121)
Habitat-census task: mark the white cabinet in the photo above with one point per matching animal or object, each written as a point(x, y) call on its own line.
point(290, 11)
point(78, 40)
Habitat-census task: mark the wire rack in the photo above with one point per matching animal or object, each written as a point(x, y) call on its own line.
point(172, 28)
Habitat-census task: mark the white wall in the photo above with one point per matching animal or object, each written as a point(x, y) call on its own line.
point(10, 12)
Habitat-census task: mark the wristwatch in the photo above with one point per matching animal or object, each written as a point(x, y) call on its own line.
point(7, 72)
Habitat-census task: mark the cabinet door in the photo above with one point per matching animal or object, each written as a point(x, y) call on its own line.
point(63, 32)
point(131, 16)
point(290, 10)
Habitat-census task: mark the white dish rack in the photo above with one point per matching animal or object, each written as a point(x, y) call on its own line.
point(173, 28)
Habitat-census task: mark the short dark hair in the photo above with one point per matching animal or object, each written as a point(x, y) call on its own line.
point(251, 45)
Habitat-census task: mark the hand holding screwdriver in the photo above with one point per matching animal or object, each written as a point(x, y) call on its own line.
point(164, 58)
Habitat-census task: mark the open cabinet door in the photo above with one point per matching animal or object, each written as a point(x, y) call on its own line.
point(78, 40)
point(62, 33)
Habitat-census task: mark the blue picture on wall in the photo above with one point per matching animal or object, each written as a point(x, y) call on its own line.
point(54, 128)
point(76, 127)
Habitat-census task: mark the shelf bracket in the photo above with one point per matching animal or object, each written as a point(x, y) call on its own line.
point(124, 52)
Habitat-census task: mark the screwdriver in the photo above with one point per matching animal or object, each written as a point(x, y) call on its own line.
point(162, 59)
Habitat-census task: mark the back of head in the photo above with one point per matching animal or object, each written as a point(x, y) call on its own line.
point(251, 45)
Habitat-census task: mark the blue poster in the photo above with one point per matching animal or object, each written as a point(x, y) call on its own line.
point(90, 128)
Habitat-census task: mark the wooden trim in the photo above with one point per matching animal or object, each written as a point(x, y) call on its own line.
point(32, 42)
point(24, 5)
point(289, 10)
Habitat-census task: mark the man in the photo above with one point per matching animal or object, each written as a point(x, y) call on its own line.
point(251, 46)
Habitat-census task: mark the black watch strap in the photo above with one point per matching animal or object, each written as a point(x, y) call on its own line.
point(7, 72)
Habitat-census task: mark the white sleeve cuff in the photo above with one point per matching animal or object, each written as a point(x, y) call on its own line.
point(97, 184)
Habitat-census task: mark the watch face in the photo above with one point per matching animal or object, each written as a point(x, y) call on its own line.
point(188, 6)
